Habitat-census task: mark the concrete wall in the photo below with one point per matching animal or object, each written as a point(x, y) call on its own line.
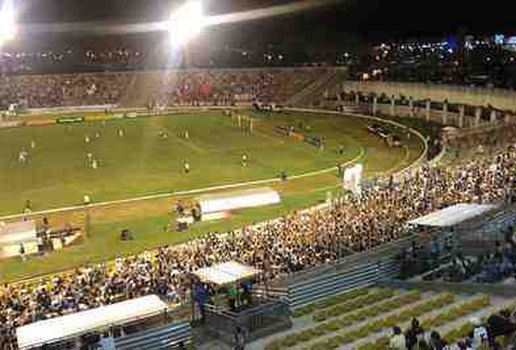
point(498, 98)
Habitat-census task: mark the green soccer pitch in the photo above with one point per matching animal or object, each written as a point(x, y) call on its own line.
point(141, 162)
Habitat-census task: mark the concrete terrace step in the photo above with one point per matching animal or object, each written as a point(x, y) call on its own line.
point(424, 297)
point(496, 304)
point(306, 322)
point(375, 336)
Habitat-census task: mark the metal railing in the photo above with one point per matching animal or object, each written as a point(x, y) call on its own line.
point(332, 283)
point(164, 337)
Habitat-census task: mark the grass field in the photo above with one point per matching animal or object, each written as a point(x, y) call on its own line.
point(141, 163)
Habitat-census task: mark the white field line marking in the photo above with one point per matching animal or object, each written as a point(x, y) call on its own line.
point(183, 192)
point(235, 185)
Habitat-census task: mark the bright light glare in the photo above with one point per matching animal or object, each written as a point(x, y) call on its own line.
point(186, 23)
point(7, 22)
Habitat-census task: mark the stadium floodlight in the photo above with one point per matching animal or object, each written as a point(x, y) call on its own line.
point(186, 23)
point(7, 22)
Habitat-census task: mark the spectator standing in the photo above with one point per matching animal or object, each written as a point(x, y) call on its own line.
point(397, 341)
point(480, 335)
point(413, 334)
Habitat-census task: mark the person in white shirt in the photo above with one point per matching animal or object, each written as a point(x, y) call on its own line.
point(397, 340)
point(186, 167)
point(480, 335)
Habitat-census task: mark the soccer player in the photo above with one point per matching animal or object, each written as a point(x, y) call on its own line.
point(22, 252)
point(89, 156)
point(120, 133)
point(32, 144)
point(22, 156)
point(322, 141)
point(86, 139)
point(244, 160)
point(187, 135)
point(95, 164)
point(28, 207)
point(186, 167)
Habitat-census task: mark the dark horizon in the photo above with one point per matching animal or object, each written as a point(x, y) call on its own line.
point(338, 24)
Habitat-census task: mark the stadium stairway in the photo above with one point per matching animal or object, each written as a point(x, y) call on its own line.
point(304, 97)
point(142, 89)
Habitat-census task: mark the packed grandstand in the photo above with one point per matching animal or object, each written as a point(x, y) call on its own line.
point(312, 254)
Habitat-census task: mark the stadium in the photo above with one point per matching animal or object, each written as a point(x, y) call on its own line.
point(206, 180)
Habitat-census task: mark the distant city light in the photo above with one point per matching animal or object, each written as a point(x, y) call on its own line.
point(186, 23)
point(499, 39)
point(7, 22)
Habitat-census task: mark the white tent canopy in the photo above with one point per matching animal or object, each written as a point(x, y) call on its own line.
point(248, 198)
point(453, 215)
point(76, 324)
point(226, 273)
point(17, 232)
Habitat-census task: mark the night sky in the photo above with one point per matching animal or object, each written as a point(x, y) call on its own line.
point(355, 20)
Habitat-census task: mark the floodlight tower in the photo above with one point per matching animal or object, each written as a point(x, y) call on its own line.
point(7, 22)
point(185, 24)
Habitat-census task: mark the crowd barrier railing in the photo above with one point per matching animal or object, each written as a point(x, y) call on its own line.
point(163, 337)
point(332, 283)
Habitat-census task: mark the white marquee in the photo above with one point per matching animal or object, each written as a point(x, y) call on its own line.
point(226, 273)
point(76, 324)
point(453, 215)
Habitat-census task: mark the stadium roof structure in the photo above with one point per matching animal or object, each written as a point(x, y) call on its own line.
point(453, 215)
point(226, 273)
point(73, 325)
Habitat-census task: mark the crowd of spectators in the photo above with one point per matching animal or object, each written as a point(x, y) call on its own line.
point(483, 335)
point(297, 241)
point(498, 265)
point(176, 87)
point(223, 87)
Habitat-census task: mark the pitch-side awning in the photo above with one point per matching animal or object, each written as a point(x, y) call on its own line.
point(226, 273)
point(453, 215)
point(76, 324)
